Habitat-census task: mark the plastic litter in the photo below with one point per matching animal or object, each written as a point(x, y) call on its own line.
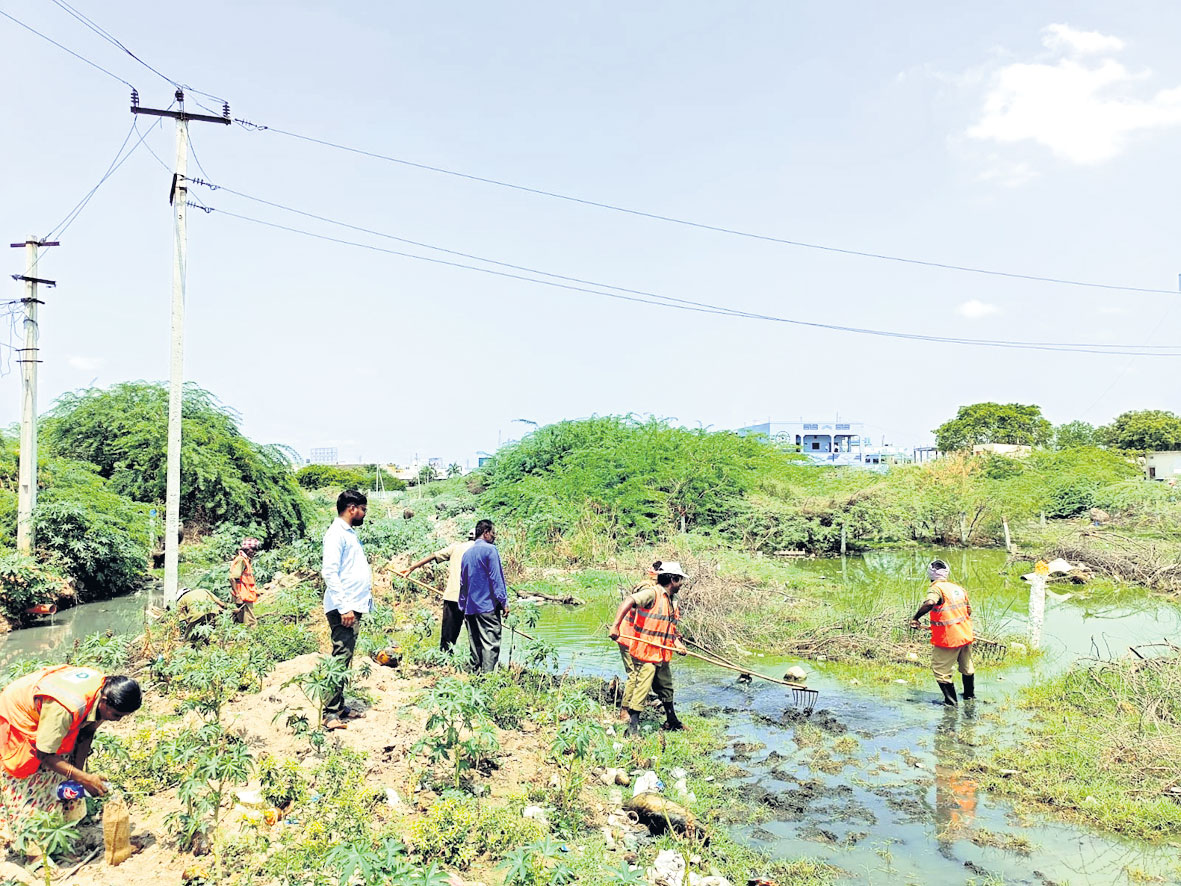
point(668, 869)
point(647, 782)
point(536, 813)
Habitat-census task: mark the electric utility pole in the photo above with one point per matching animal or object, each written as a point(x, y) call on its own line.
point(178, 197)
point(26, 493)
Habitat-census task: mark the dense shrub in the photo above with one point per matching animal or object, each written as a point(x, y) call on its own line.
point(24, 582)
point(325, 476)
point(224, 476)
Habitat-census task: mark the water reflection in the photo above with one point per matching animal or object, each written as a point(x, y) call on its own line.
point(955, 791)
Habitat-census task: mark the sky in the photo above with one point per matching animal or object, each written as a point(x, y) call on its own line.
point(1033, 138)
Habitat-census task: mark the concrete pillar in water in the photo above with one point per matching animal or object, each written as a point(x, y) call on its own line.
point(1037, 603)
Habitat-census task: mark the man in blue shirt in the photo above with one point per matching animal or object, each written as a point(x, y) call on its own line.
point(483, 597)
point(348, 591)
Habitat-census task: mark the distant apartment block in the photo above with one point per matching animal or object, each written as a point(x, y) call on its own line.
point(324, 455)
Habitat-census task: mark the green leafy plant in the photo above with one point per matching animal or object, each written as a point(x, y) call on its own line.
point(458, 727)
point(218, 761)
point(47, 834)
point(538, 864)
point(321, 683)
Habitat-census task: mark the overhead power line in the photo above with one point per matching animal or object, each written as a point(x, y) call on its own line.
point(720, 229)
point(705, 308)
point(106, 35)
point(1107, 348)
point(76, 55)
point(120, 158)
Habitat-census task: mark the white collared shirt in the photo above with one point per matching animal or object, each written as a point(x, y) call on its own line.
point(348, 581)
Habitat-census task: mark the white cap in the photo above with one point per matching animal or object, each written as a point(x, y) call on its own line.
point(671, 567)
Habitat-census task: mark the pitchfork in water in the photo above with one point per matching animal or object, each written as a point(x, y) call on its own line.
point(991, 651)
point(801, 696)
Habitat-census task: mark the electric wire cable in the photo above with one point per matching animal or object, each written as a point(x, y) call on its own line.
point(720, 229)
point(1015, 345)
point(61, 227)
point(600, 285)
point(118, 44)
point(80, 58)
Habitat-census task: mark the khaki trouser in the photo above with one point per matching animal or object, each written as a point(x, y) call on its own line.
point(244, 614)
point(629, 663)
point(644, 678)
point(944, 660)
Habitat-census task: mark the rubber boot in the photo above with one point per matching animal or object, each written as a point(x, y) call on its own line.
point(948, 694)
point(671, 723)
point(969, 686)
point(633, 724)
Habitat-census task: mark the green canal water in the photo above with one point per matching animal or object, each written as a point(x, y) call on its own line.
point(886, 812)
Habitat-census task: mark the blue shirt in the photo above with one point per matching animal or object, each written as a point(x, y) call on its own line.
point(481, 580)
point(348, 581)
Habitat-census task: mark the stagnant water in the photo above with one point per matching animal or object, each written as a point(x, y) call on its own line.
point(890, 813)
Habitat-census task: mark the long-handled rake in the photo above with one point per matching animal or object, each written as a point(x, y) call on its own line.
point(802, 697)
point(438, 593)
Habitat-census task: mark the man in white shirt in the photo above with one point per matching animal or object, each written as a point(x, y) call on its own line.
point(348, 584)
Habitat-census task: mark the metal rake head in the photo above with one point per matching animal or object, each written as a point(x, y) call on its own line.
point(804, 699)
point(989, 650)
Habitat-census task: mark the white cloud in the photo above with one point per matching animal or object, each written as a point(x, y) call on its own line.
point(1082, 110)
point(84, 364)
point(976, 309)
point(1067, 40)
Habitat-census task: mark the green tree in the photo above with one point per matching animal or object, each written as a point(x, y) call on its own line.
point(122, 430)
point(1152, 430)
point(1075, 434)
point(1010, 423)
point(454, 470)
point(427, 473)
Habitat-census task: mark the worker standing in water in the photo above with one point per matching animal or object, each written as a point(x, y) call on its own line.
point(951, 632)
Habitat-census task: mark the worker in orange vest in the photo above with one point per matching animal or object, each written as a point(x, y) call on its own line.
point(243, 590)
point(629, 663)
point(951, 632)
point(47, 723)
point(651, 640)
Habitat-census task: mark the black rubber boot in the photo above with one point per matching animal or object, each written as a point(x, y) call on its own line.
point(969, 686)
point(633, 724)
point(948, 694)
point(671, 723)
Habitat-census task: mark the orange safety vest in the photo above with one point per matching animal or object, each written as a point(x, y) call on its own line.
point(75, 689)
point(655, 625)
point(951, 626)
point(245, 590)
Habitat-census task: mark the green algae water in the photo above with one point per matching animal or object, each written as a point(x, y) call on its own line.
point(861, 784)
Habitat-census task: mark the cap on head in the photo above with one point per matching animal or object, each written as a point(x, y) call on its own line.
point(251, 544)
point(671, 567)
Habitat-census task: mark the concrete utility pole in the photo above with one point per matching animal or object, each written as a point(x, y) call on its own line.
point(28, 359)
point(178, 197)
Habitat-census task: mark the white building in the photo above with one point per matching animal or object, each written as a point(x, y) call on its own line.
point(1163, 466)
point(827, 442)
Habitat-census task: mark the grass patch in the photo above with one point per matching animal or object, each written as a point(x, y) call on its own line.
point(1104, 748)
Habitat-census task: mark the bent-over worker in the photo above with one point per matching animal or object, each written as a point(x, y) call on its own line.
point(951, 632)
point(47, 723)
point(197, 607)
point(651, 642)
point(243, 589)
point(452, 555)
